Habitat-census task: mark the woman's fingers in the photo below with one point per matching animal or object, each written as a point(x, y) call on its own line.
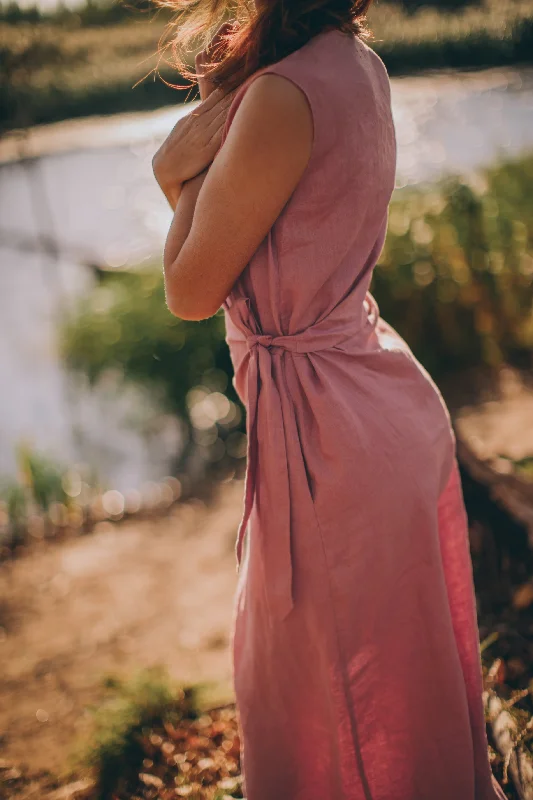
point(200, 126)
point(220, 107)
point(207, 105)
point(204, 84)
point(224, 28)
point(194, 141)
point(215, 141)
point(218, 119)
point(218, 95)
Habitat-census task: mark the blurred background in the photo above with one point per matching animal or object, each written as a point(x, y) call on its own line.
point(122, 440)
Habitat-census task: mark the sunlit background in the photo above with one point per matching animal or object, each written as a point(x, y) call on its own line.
point(122, 440)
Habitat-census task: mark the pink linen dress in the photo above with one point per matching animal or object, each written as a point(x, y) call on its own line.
point(355, 642)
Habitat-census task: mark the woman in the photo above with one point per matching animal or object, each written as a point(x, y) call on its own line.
point(355, 642)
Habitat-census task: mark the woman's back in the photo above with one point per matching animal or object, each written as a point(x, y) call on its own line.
point(325, 242)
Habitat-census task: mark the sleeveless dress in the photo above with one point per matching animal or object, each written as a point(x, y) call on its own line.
point(356, 658)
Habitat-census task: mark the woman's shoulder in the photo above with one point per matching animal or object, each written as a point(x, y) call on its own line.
point(333, 70)
point(273, 93)
point(310, 68)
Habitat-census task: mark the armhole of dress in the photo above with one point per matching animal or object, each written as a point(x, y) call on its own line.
point(275, 70)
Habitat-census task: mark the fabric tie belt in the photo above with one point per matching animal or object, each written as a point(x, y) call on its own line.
point(275, 523)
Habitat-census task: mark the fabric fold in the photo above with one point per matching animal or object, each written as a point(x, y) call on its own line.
point(262, 348)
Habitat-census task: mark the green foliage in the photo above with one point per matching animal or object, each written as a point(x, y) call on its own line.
point(126, 325)
point(114, 749)
point(455, 277)
point(39, 486)
point(14, 498)
point(93, 60)
point(46, 498)
point(523, 467)
point(43, 477)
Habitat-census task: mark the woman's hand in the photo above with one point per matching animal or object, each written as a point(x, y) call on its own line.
point(192, 144)
point(223, 216)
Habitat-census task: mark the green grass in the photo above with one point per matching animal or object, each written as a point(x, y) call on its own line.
point(45, 498)
point(39, 489)
point(150, 737)
point(94, 62)
point(114, 749)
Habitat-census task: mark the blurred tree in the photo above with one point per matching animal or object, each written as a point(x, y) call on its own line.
point(456, 274)
point(127, 326)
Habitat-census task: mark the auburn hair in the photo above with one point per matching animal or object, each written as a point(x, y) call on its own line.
point(255, 34)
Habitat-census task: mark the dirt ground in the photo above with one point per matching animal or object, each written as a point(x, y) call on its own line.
point(122, 597)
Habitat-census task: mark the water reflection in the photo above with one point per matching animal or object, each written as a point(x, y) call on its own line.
point(456, 124)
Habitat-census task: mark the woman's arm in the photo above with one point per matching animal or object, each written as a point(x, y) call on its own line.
point(183, 216)
point(224, 213)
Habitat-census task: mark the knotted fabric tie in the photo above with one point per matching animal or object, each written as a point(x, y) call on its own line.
point(276, 521)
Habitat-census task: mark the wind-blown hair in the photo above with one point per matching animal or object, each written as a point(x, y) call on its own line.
point(259, 34)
